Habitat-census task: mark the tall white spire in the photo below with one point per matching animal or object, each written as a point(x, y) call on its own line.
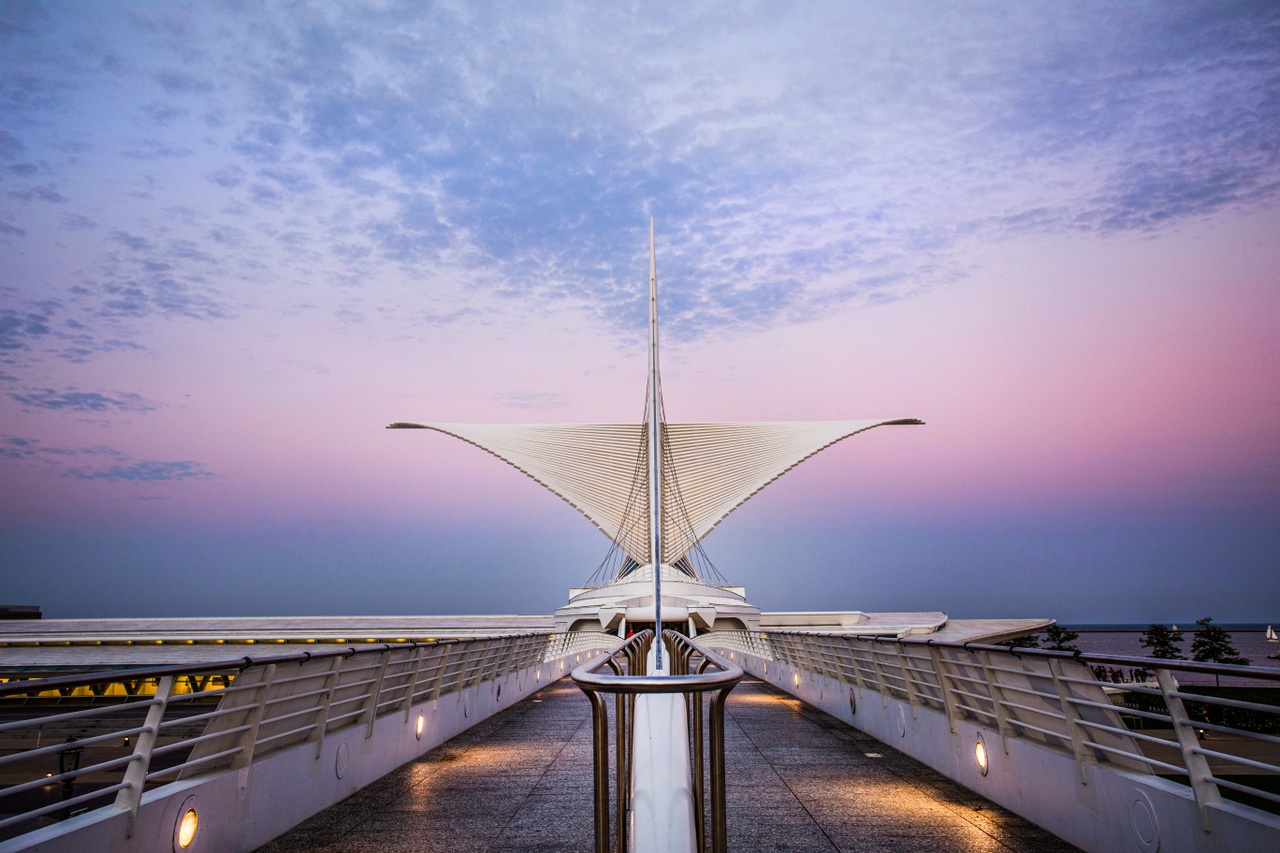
point(654, 429)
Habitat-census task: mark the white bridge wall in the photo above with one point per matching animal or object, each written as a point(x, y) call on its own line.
point(1110, 812)
point(240, 810)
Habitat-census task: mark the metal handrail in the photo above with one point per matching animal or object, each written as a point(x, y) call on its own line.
point(593, 682)
point(252, 717)
point(977, 674)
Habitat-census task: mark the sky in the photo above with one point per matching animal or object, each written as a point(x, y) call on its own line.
point(235, 242)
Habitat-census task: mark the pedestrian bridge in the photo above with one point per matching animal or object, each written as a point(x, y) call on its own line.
point(800, 780)
point(831, 739)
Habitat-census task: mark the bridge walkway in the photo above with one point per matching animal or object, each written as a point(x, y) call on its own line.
point(798, 780)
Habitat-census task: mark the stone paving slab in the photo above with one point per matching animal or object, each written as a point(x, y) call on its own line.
point(798, 780)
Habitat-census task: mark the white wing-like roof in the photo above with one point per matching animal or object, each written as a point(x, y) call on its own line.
point(708, 469)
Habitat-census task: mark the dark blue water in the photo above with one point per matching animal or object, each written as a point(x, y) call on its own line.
point(1249, 640)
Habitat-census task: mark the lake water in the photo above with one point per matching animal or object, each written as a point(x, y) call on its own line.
point(1249, 640)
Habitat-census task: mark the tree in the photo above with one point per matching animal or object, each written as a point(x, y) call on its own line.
point(1026, 641)
point(1163, 642)
point(1059, 639)
point(1213, 644)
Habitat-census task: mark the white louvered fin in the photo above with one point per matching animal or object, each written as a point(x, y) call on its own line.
point(708, 470)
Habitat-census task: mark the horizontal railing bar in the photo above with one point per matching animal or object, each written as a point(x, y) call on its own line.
point(1236, 759)
point(1150, 762)
point(64, 804)
point(306, 728)
point(1244, 733)
point(976, 711)
point(289, 716)
point(1223, 702)
point(187, 765)
point(1245, 789)
point(1025, 691)
point(192, 741)
point(280, 700)
point(70, 774)
point(957, 690)
point(1046, 732)
point(79, 743)
point(40, 722)
point(1142, 736)
point(1053, 715)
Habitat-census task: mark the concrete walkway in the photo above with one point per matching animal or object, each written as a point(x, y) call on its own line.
point(798, 780)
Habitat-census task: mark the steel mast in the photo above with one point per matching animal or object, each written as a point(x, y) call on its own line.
point(655, 452)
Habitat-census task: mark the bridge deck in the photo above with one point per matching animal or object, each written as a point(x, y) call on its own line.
point(799, 780)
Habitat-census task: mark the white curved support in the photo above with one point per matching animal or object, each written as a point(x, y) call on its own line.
point(661, 817)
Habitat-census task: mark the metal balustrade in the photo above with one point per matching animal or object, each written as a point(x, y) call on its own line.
point(628, 663)
point(178, 722)
point(1159, 726)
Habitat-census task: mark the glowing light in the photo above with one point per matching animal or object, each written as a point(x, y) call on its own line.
point(796, 678)
point(422, 724)
point(980, 755)
point(187, 828)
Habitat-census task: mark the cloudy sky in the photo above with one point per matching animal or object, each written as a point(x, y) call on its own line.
point(235, 243)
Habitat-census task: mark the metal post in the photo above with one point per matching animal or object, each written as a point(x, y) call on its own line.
point(1206, 791)
point(370, 710)
point(249, 738)
point(407, 703)
point(880, 682)
point(1079, 737)
point(719, 822)
point(906, 677)
point(997, 700)
point(135, 777)
point(948, 700)
point(321, 721)
point(600, 769)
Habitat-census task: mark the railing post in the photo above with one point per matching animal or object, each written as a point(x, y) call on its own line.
point(719, 820)
point(1079, 737)
point(1202, 785)
point(880, 682)
point(135, 778)
point(997, 698)
point(249, 738)
point(600, 769)
point(443, 671)
point(948, 700)
point(370, 710)
point(406, 704)
point(321, 720)
point(906, 678)
point(857, 670)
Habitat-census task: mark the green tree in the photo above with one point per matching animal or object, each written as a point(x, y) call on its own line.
point(1059, 639)
point(1163, 642)
point(1213, 644)
point(1026, 641)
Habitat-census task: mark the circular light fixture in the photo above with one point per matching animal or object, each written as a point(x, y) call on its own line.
point(422, 724)
point(980, 755)
point(187, 825)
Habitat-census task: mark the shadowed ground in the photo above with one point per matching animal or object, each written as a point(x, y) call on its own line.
point(798, 780)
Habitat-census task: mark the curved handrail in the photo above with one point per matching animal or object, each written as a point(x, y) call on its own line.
point(593, 681)
point(1265, 673)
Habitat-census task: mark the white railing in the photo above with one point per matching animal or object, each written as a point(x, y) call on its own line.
point(71, 744)
point(1156, 726)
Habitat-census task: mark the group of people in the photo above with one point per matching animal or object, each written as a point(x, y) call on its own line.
point(1121, 676)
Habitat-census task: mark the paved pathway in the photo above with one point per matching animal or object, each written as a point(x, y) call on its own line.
point(798, 780)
